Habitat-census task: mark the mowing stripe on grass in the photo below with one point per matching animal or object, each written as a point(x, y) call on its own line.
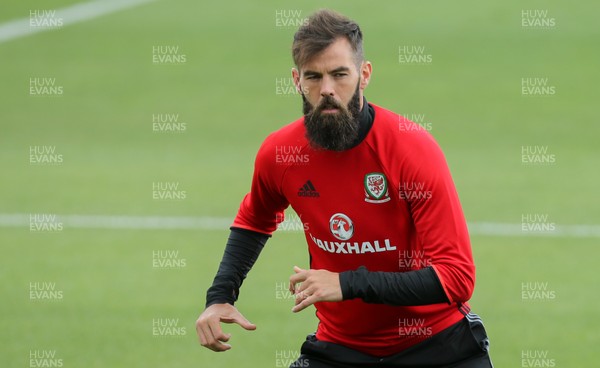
point(223, 223)
point(70, 15)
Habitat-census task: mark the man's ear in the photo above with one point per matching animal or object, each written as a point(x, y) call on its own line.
point(365, 74)
point(296, 78)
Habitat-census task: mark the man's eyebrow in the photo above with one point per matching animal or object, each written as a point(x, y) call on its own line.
point(340, 69)
point(312, 73)
point(318, 74)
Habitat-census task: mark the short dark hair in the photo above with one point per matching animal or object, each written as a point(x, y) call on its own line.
point(321, 30)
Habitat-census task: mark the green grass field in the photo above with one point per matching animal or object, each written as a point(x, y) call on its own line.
point(225, 93)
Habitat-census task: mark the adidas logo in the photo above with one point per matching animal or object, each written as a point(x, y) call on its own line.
point(308, 190)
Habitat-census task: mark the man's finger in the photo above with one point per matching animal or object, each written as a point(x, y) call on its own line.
point(300, 275)
point(303, 290)
point(219, 346)
point(205, 331)
point(296, 278)
point(216, 338)
point(217, 331)
point(305, 303)
point(240, 320)
point(302, 287)
point(293, 282)
point(201, 336)
point(300, 296)
point(211, 342)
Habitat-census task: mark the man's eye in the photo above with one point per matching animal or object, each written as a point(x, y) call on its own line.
point(340, 74)
point(312, 77)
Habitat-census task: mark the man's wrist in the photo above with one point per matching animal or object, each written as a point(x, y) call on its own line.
point(213, 302)
point(216, 301)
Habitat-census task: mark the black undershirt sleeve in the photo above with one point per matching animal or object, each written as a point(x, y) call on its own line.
point(419, 287)
point(243, 247)
point(241, 251)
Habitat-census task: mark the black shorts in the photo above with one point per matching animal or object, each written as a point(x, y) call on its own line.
point(462, 345)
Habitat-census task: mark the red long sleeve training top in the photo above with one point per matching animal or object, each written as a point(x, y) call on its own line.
point(388, 204)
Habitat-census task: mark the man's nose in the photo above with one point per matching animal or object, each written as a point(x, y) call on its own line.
point(327, 86)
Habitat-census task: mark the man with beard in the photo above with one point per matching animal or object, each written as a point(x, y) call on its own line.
point(391, 268)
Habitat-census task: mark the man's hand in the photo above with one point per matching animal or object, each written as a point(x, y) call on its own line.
point(208, 325)
point(317, 286)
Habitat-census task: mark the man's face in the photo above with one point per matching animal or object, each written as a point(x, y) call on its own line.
point(331, 85)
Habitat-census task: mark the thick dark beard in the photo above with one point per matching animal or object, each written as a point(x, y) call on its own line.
point(337, 131)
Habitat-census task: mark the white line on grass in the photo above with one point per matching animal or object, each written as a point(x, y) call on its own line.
point(121, 221)
point(505, 229)
point(70, 15)
point(223, 223)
